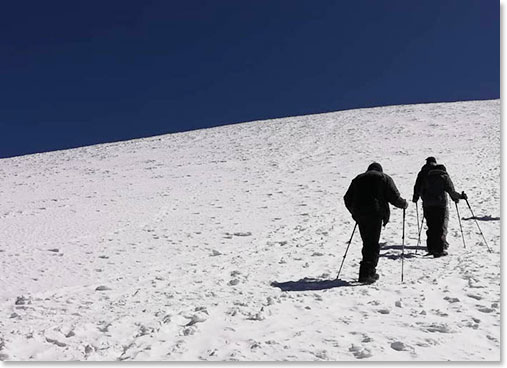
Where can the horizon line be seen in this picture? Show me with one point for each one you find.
(218, 125)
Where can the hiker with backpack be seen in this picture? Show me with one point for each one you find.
(367, 199)
(432, 186)
(430, 164)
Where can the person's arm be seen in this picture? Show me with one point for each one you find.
(348, 198)
(449, 188)
(417, 187)
(393, 195)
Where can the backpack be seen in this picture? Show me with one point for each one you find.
(369, 194)
(433, 189)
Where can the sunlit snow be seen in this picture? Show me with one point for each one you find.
(167, 248)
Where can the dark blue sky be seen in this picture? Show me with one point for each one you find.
(75, 73)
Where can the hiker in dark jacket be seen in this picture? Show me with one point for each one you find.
(433, 192)
(430, 164)
(367, 199)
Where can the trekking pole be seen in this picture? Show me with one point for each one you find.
(418, 231)
(403, 246)
(346, 250)
(489, 249)
(459, 219)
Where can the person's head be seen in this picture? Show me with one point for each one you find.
(375, 166)
(431, 160)
(440, 167)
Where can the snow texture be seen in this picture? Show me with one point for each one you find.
(224, 244)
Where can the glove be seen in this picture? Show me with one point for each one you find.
(464, 196)
(415, 198)
(406, 205)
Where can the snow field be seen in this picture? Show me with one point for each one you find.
(166, 248)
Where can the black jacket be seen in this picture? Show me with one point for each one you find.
(420, 178)
(434, 188)
(369, 195)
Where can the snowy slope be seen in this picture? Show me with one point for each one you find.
(165, 248)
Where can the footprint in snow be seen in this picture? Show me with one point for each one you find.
(247, 233)
(259, 316)
(366, 339)
(102, 288)
(318, 297)
(360, 352)
(188, 331)
(473, 296)
(436, 327)
(56, 342)
(430, 342)
(270, 300)
(451, 300)
(196, 318)
(321, 354)
(485, 310)
(400, 346)
(492, 338)
(22, 300)
(439, 313)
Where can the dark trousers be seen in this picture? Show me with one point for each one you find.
(370, 228)
(437, 219)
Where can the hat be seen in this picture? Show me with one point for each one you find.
(375, 166)
(431, 159)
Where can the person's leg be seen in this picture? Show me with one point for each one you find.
(370, 229)
(440, 230)
(429, 230)
(433, 234)
(445, 225)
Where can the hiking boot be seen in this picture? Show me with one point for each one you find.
(367, 272)
(369, 279)
(440, 254)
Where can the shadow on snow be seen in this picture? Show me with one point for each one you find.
(319, 284)
(482, 218)
(311, 284)
(399, 247)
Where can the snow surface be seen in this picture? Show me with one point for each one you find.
(166, 248)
